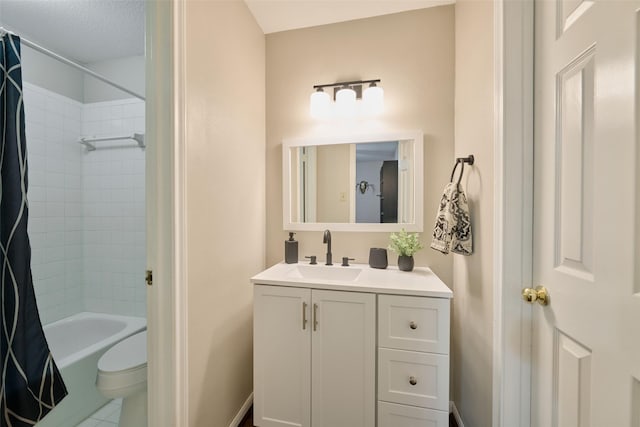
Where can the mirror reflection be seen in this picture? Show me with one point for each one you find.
(376, 189)
(369, 182)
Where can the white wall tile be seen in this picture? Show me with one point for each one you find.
(85, 228)
(109, 206)
(48, 117)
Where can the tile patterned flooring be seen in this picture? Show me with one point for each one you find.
(107, 416)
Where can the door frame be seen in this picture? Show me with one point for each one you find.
(513, 207)
(513, 211)
(167, 304)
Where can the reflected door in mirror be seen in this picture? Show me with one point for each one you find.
(389, 191)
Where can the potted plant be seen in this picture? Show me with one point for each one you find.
(405, 245)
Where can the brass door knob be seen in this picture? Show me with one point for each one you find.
(538, 294)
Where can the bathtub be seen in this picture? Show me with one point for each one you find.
(77, 342)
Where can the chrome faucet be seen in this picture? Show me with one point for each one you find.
(327, 239)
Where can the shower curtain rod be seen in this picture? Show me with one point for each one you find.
(73, 64)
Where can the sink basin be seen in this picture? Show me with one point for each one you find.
(355, 278)
(325, 272)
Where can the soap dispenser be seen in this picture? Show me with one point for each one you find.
(291, 250)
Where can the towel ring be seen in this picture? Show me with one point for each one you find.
(461, 160)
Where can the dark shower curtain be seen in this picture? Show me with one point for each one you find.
(31, 383)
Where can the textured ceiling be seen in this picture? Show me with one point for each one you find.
(82, 30)
(282, 15)
(96, 30)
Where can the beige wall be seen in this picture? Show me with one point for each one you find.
(471, 351)
(44, 71)
(413, 54)
(333, 168)
(127, 72)
(41, 70)
(225, 142)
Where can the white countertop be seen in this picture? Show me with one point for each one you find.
(419, 282)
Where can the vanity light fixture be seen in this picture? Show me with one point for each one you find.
(346, 101)
(345, 95)
(320, 104)
(373, 99)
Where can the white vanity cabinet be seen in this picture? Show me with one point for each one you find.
(281, 357)
(350, 347)
(314, 357)
(413, 361)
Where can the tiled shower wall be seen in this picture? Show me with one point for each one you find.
(114, 214)
(52, 126)
(86, 221)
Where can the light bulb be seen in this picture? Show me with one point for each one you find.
(319, 104)
(373, 99)
(346, 102)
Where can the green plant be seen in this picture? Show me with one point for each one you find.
(404, 243)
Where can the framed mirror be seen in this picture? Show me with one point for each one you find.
(370, 182)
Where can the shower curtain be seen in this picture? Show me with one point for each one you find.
(31, 383)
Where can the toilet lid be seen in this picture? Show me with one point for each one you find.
(129, 353)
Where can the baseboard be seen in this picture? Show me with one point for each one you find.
(247, 404)
(243, 411)
(456, 414)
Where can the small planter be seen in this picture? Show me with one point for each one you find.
(405, 263)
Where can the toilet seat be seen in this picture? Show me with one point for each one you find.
(122, 370)
(129, 353)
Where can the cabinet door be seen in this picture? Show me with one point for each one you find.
(344, 355)
(282, 356)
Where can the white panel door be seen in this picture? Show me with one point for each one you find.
(344, 359)
(586, 341)
(282, 356)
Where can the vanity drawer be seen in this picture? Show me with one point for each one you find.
(412, 378)
(394, 415)
(413, 323)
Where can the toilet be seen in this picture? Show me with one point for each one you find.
(122, 373)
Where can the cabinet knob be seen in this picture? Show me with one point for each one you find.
(413, 380)
(413, 325)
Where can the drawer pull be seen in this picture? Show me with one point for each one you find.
(413, 325)
(304, 315)
(315, 317)
(413, 380)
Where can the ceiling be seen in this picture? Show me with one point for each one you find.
(282, 15)
(376, 151)
(97, 30)
(81, 30)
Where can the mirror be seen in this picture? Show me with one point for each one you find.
(353, 183)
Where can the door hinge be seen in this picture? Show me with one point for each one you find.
(149, 277)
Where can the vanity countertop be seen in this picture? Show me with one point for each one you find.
(356, 278)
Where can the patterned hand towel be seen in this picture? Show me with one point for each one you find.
(452, 231)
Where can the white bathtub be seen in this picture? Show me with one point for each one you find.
(77, 342)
